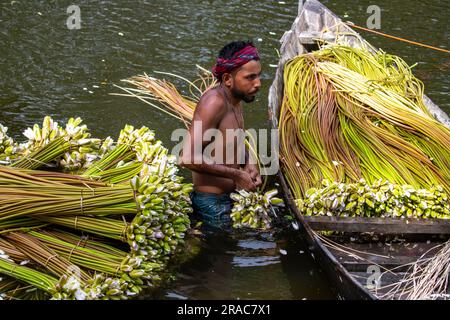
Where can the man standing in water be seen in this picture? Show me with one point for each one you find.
(219, 110)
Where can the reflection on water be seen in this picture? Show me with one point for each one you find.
(249, 265)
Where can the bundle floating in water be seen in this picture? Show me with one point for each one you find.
(7, 145)
(71, 147)
(128, 196)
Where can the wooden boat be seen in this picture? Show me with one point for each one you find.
(350, 261)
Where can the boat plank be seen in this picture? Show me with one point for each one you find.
(379, 225)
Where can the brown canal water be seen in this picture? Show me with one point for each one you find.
(47, 69)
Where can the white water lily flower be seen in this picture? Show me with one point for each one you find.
(335, 204)
(138, 261)
(54, 125)
(80, 294)
(140, 157)
(29, 133)
(172, 171)
(159, 235)
(72, 284)
(5, 257)
(94, 293)
(244, 193)
(91, 157)
(82, 142)
(71, 130)
(115, 284)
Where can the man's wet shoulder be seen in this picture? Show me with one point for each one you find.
(213, 93)
(212, 99)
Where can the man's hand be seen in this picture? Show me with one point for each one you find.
(253, 170)
(243, 180)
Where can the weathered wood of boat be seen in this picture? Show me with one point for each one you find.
(389, 244)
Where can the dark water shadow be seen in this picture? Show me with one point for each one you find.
(273, 265)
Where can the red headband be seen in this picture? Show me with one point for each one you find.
(240, 58)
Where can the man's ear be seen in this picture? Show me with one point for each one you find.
(227, 80)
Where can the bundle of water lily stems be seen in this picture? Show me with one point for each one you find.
(357, 139)
(104, 230)
(251, 209)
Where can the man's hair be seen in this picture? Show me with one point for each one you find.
(230, 49)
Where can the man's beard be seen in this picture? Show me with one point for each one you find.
(242, 96)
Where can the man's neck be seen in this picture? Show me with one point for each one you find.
(235, 102)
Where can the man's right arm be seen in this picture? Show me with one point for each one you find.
(207, 115)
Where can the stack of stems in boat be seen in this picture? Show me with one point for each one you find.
(349, 114)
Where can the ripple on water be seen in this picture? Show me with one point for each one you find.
(256, 244)
(259, 261)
